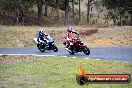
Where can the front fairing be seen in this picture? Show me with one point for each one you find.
(50, 39)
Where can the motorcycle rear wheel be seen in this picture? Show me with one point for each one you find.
(71, 53)
(40, 48)
(71, 50)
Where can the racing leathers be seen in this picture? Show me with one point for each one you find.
(44, 37)
(69, 38)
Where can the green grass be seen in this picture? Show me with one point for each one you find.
(57, 72)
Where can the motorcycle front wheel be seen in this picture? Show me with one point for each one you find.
(86, 50)
(55, 49)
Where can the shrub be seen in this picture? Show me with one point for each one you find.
(89, 32)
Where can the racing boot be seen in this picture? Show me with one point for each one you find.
(68, 48)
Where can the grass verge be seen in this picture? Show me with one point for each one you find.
(22, 36)
(55, 72)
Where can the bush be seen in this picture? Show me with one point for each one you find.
(89, 32)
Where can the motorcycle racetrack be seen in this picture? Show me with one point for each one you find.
(123, 54)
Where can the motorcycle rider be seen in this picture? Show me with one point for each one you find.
(43, 37)
(69, 37)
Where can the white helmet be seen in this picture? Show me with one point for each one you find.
(69, 28)
(41, 31)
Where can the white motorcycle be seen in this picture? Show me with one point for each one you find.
(46, 44)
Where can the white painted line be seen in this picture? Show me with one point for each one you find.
(45, 55)
(73, 57)
(27, 55)
(97, 59)
(116, 61)
(64, 56)
(17, 54)
(87, 58)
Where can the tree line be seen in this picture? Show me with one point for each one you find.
(119, 11)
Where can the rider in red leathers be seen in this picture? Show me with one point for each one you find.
(69, 38)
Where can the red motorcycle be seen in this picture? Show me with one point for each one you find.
(76, 45)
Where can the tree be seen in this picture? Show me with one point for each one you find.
(79, 11)
(39, 6)
(57, 6)
(66, 12)
(112, 15)
(46, 7)
(128, 8)
(73, 10)
(17, 6)
(98, 6)
(88, 9)
(120, 6)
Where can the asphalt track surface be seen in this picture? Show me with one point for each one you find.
(123, 54)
